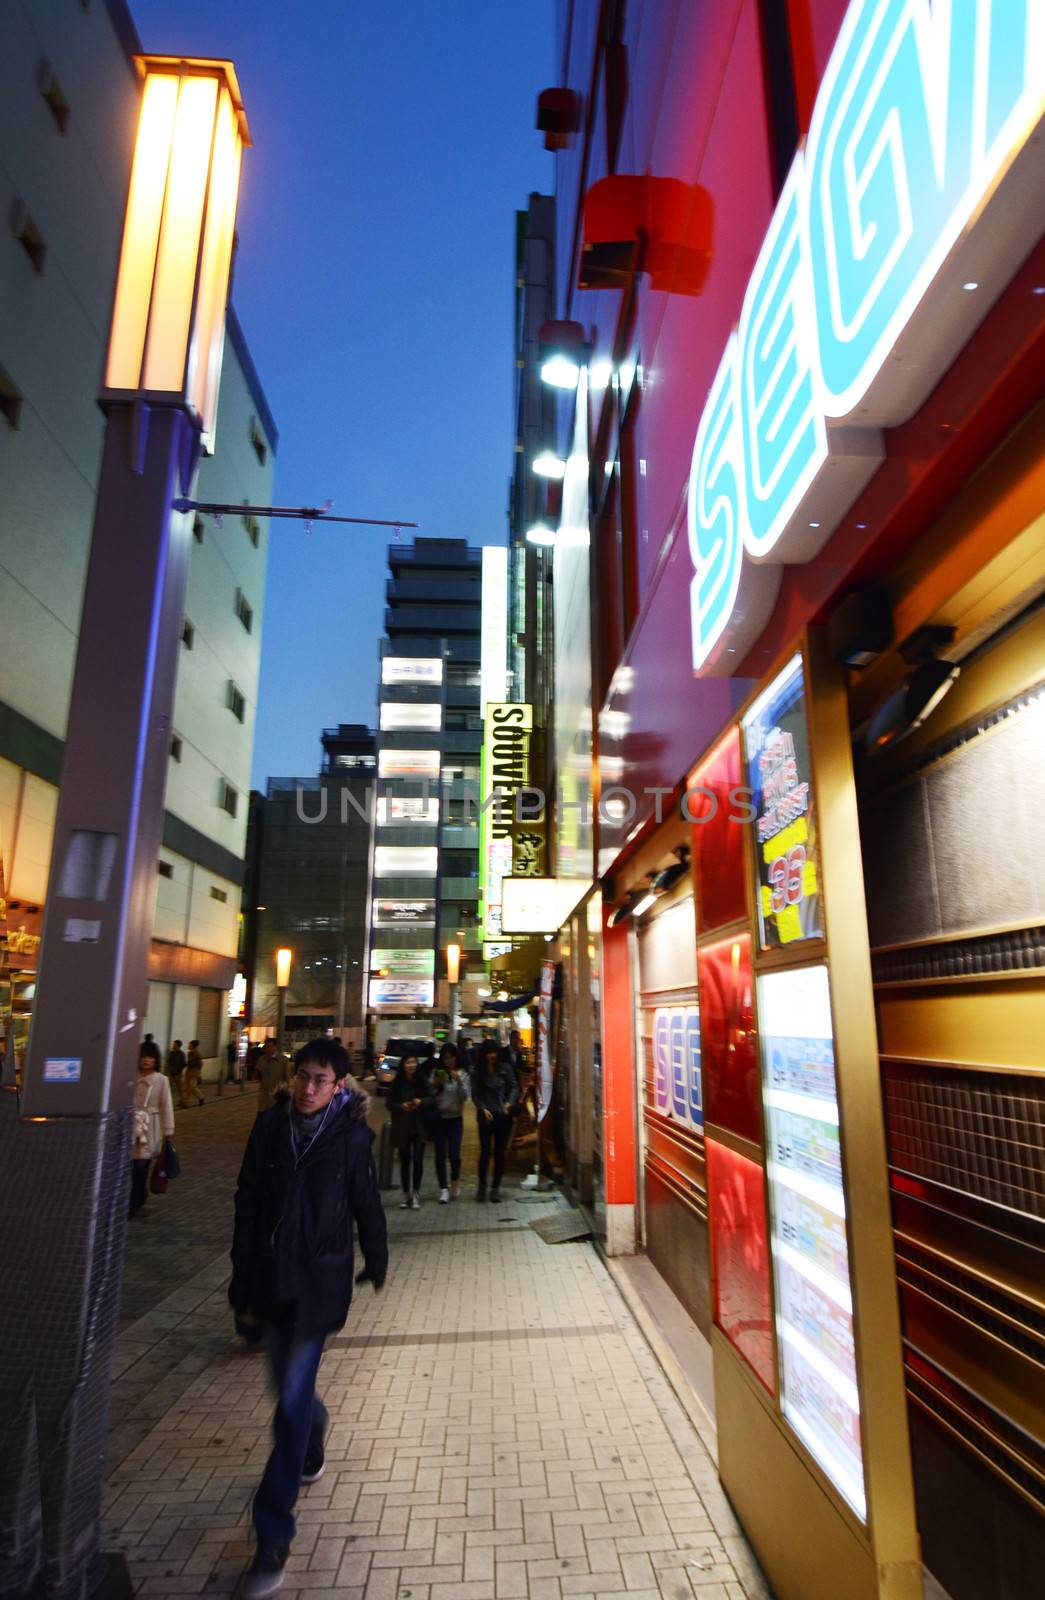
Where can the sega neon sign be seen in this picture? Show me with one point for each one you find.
(676, 1065)
(921, 132)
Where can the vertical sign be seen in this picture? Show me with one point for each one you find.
(504, 771)
(493, 635)
(776, 743)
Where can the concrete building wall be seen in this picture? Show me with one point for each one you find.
(63, 183)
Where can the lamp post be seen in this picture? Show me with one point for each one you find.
(453, 974)
(284, 961)
(63, 1177)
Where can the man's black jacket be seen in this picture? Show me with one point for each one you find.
(292, 1243)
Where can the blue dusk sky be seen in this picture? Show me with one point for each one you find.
(393, 144)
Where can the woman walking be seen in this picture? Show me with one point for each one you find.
(409, 1094)
(190, 1078)
(451, 1086)
(495, 1092)
(153, 1122)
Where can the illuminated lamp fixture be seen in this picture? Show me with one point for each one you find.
(670, 876)
(168, 320)
(635, 223)
(645, 900)
(562, 351)
(920, 693)
(549, 465)
(558, 116)
(540, 533)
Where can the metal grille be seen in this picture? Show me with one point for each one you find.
(1022, 950)
(980, 1133)
(1011, 1454)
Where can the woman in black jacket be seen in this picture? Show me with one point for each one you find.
(410, 1099)
(495, 1091)
(307, 1177)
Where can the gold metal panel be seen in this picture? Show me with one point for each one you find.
(1000, 1025)
(879, 1359)
(809, 1545)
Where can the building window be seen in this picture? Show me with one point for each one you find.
(244, 611)
(188, 634)
(197, 529)
(51, 90)
(228, 799)
(235, 701)
(165, 869)
(29, 237)
(218, 894)
(257, 439)
(175, 747)
(10, 401)
(253, 527)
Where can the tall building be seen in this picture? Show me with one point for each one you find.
(426, 865)
(309, 876)
(69, 101)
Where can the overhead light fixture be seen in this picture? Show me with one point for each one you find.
(561, 350)
(540, 534)
(914, 702)
(599, 375)
(549, 465)
(644, 904)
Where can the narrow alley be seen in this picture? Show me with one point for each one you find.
(499, 1426)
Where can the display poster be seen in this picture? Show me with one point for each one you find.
(776, 744)
(814, 1303)
(412, 669)
(677, 1091)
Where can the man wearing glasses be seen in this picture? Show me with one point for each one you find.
(307, 1176)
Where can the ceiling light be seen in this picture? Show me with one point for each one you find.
(561, 351)
(970, 286)
(540, 534)
(644, 904)
(560, 372)
(599, 375)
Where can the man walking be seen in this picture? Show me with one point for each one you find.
(174, 1065)
(272, 1073)
(307, 1178)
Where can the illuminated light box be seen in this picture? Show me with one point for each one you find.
(401, 992)
(718, 836)
(405, 861)
(740, 1251)
(780, 774)
(412, 669)
(727, 1013)
(814, 1300)
(537, 905)
(408, 764)
(395, 716)
(395, 808)
(400, 963)
(403, 913)
(493, 667)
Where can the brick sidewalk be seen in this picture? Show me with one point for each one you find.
(499, 1426)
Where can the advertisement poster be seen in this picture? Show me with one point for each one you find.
(814, 1303)
(776, 744)
(401, 992)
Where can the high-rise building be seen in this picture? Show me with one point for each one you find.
(308, 880)
(425, 874)
(69, 98)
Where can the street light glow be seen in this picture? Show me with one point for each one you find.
(540, 534)
(284, 958)
(549, 465)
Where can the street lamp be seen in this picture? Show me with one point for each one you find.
(453, 974)
(284, 960)
(63, 1180)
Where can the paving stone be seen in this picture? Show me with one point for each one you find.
(499, 1428)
